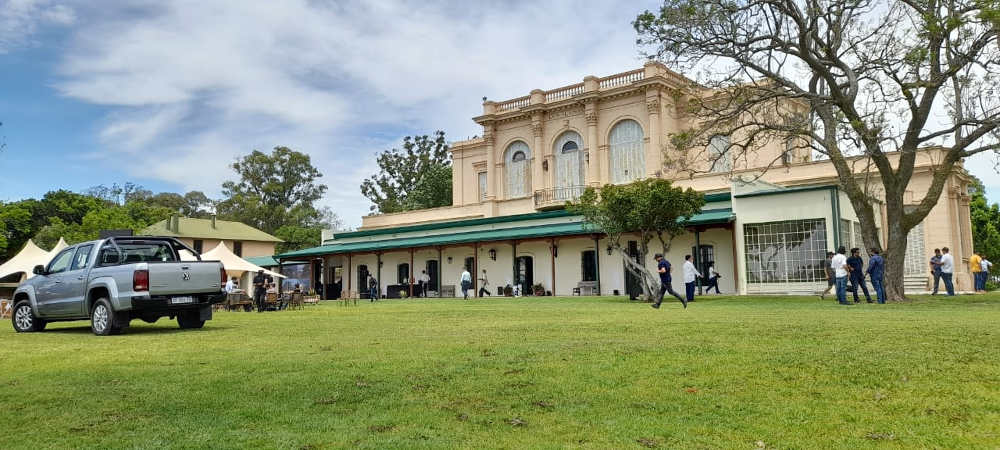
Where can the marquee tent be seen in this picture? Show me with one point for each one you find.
(29, 257)
(235, 266)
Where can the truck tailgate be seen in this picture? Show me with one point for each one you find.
(187, 277)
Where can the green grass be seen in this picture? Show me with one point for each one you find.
(732, 372)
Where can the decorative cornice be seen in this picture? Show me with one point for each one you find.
(591, 117)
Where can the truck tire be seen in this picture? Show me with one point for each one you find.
(103, 319)
(189, 320)
(24, 319)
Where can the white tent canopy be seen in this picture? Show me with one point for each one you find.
(29, 257)
(58, 248)
(234, 264)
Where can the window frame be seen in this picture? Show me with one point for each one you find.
(71, 251)
(76, 257)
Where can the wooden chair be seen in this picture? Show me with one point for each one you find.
(296, 301)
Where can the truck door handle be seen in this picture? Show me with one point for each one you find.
(81, 277)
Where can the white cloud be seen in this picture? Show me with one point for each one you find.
(21, 19)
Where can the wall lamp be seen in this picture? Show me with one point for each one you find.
(493, 254)
(609, 249)
(449, 260)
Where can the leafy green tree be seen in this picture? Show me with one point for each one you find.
(650, 208)
(870, 78)
(416, 177)
(275, 190)
(985, 223)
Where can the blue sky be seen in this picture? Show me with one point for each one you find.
(167, 93)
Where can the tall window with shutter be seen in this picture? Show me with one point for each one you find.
(569, 165)
(628, 160)
(517, 158)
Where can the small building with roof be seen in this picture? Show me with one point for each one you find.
(203, 235)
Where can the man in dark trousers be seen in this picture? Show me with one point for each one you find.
(830, 276)
(858, 274)
(876, 270)
(259, 290)
(663, 267)
(936, 269)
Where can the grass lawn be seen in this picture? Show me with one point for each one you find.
(732, 372)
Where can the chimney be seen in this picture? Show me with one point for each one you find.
(174, 224)
(213, 221)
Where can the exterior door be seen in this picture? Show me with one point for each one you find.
(363, 281)
(432, 272)
(74, 285)
(633, 286)
(706, 257)
(525, 274)
(50, 291)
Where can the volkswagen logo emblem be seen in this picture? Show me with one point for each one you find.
(186, 276)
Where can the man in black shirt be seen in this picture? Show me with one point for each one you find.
(259, 290)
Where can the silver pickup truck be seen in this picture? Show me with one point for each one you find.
(113, 281)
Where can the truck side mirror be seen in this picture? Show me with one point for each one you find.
(39, 270)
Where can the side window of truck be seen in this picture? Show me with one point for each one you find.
(61, 261)
(108, 256)
(82, 257)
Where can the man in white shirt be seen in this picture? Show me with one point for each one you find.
(713, 278)
(839, 265)
(948, 270)
(425, 280)
(466, 282)
(690, 275)
(230, 285)
(986, 265)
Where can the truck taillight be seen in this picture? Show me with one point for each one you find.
(140, 280)
(222, 275)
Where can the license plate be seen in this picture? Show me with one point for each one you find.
(181, 300)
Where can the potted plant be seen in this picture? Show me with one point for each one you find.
(538, 289)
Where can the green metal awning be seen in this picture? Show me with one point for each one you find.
(714, 216)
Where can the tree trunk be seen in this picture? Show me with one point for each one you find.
(895, 256)
(649, 281)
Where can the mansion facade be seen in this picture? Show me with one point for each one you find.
(539, 151)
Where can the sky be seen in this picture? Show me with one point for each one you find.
(168, 93)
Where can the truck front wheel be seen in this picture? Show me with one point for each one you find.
(190, 319)
(103, 319)
(24, 319)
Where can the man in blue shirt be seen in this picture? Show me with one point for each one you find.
(876, 269)
(936, 269)
(858, 274)
(663, 267)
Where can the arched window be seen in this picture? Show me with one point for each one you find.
(569, 166)
(718, 154)
(628, 160)
(516, 157)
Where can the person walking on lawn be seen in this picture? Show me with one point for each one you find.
(858, 275)
(425, 281)
(663, 267)
(372, 288)
(975, 266)
(876, 270)
(948, 270)
(259, 290)
(936, 269)
(839, 265)
(713, 279)
(691, 274)
(830, 276)
(484, 285)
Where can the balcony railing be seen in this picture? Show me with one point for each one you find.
(557, 197)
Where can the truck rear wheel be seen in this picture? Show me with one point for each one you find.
(190, 320)
(103, 319)
(24, 319)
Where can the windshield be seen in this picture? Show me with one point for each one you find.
(133, 252)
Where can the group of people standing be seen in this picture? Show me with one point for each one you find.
(943, 269)
(841, 269)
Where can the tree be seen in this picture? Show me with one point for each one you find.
(651, 208)
(416, 177)
(842, 77)
(273, 191)
(985, 223)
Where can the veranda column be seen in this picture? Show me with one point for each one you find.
(349, 276)
(595, 162)
(597, 262)
(552, 250)
(440, 268)
(539, 154)
(513, 253)
(410, 280)
(653, 150)
(475, 268)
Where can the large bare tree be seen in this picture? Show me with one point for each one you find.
(865, 83)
